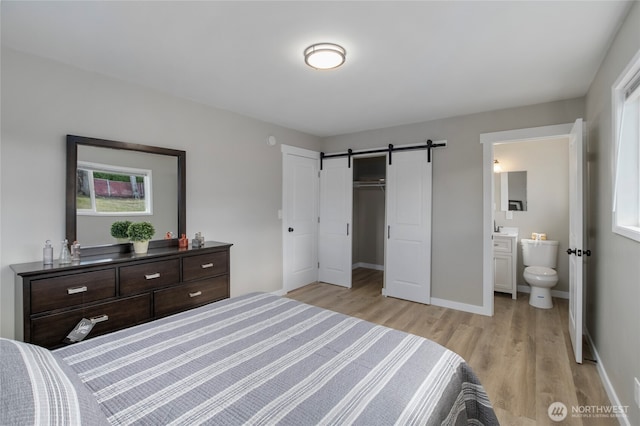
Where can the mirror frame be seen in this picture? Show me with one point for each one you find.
(72, 160)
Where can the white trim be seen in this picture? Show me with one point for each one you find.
(632, 232)
(367, 266)
(288, 149)
(487, 230)
(488, 140)
(554, 293)
(281, 292)
(617, 102)
(604, 377)
(465, 307)
(526, 135)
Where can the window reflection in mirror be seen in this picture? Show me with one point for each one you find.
(104, 189)
(160, 199)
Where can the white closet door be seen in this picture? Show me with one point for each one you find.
(336, 204)
(408, 254)
(576, 239)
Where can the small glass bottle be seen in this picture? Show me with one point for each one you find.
(65, 256)
(47, 253)
(75, 251)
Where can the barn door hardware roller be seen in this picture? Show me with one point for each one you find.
(429, 145)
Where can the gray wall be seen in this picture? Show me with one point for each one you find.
(613, 271)
(368, 226)
(547, 166)
(456, 242)
(234, 179)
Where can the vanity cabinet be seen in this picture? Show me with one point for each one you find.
(116, 291)
(505, 259)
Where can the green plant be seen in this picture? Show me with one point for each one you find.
(119, 229)
(140, 231)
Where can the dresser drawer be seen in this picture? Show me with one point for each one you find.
(71, 290)
(502, 244)
(190, 295)
(148, 276)
(204, 265)
(49, 331)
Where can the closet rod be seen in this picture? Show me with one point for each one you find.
(429, 144)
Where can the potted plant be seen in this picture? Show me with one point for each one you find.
(140, 233)
(119, 230)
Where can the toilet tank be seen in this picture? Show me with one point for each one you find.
(539, 253)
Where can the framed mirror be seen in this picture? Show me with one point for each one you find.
(513, 191)
(109, 181)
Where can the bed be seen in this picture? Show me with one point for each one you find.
(256, 359)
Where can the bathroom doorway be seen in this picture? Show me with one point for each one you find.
(577, 195)
(531, 195)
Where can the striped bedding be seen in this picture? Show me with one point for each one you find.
(261, 359)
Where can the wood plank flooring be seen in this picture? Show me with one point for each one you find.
(522, 355)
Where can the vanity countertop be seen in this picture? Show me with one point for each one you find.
(506, 231)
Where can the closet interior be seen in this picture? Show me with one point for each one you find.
(369, 175)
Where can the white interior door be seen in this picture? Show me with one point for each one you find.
(336, 204)
(408, 250)
(300, 219)
(576, 237)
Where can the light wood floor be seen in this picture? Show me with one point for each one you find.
(522, 355)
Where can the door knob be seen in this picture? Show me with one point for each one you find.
(290, 229)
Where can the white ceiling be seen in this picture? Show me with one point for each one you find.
(406, 61)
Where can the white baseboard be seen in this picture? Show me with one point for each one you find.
(367, 266)
(474, 309)
(604, 377)
(554, 293)
(280, 292)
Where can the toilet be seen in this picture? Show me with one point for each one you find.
(540, 258)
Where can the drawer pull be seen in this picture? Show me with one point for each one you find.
(152, 276)
(74, 290)
(207, 265)
(197, 293)
(99, 318)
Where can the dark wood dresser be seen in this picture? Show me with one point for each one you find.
(118, 290)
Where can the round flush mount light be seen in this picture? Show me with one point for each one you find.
(324, 56)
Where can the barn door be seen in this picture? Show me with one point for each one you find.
(336, 203)
(408, 251)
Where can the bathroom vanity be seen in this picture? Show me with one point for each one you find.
(505, 261)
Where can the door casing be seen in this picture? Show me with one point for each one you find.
(488, 140)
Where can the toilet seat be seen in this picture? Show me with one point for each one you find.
(541, 270)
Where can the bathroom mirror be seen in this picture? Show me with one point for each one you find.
(159, 192)
(513, 191)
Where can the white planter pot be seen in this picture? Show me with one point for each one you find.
(140, 247)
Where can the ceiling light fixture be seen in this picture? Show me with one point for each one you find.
(324, 56)
(497, 168)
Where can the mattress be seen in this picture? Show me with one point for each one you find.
(261, 359)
